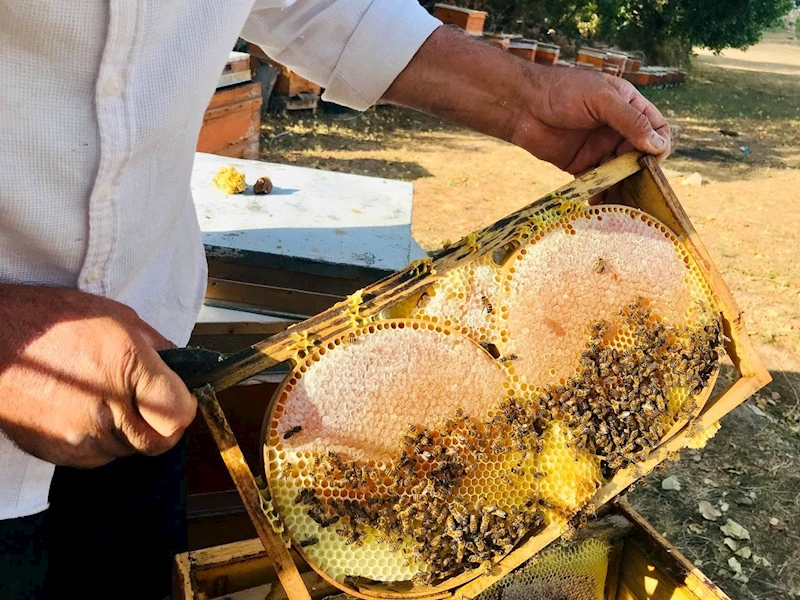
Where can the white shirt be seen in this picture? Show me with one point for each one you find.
(100, 110)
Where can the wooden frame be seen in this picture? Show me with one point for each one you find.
(639, 554)
(641, 184)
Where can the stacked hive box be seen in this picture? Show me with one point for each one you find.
(232, 121)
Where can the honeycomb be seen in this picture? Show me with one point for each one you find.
(463, 298)
(427, 444)
(573, 572)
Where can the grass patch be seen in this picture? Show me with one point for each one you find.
(760, 107)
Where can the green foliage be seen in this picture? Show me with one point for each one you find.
(666, 30)
(566, 17)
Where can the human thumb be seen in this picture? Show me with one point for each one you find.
(635, 127)
(162, 398)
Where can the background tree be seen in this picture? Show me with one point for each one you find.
(666, 30)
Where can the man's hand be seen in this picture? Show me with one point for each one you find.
(81, 382)
(572, 118)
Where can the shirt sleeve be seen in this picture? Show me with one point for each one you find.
(353, 48)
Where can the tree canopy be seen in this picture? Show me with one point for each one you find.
(666, 30)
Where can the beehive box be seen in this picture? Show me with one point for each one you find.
(500, 40)
(469, 20)
(547, 54)
(525, 50)
(236, 70)
(619, 557)
(232, 122)
(544, 364)
(289, 83)
(591, 56)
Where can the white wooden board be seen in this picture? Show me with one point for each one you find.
(333, 218)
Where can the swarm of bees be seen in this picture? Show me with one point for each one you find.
(424, 506)
(617, 403)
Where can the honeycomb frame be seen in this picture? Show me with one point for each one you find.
(641, 185)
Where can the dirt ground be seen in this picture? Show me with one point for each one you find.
(738, 121)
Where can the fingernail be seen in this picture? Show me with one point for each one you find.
(657, 140)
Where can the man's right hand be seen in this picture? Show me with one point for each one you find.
(81, 382)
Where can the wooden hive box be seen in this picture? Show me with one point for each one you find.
(641, 565)
(289, 83)
(617, 59)
(633, 180)
(500, 40)
(547, 54)
(232, 122)
(591, 56)
(469, 20)
(525, 50)
(236, 70)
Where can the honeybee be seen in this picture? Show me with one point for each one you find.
(423, 300)
(315, 512)
(460, 549)
(293, 431)
(508, 358)
(352, 337)
(487, 305)
(459, 513)
(309, 541)
(354, 537)
(306, 496)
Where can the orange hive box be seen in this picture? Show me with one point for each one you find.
(592, 57)
(547, 54)
(526, 50)
(467, 19)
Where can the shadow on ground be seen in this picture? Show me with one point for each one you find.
(759, 108)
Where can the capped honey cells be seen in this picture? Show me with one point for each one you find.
(429, 443)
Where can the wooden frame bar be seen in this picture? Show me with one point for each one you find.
(642, 185)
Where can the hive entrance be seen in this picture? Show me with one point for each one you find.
(428, 443)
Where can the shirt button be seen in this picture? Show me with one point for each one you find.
(114, 85)
(94, 275)
(104, 194)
